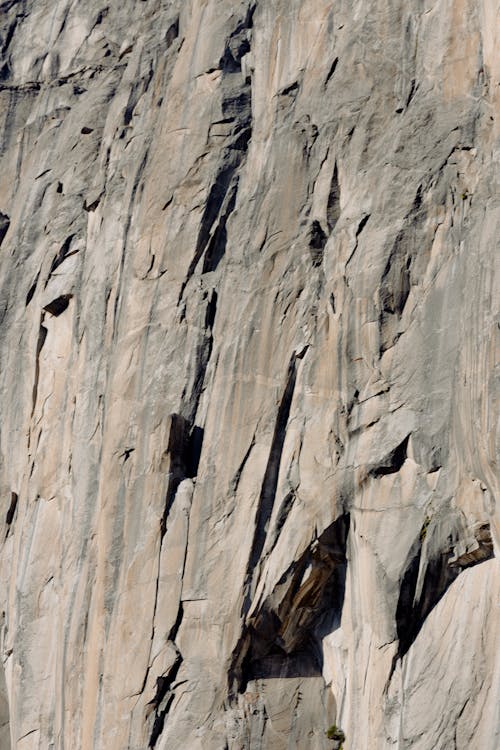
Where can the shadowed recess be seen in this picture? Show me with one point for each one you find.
(284, 637)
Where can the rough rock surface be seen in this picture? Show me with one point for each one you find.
(249, 374)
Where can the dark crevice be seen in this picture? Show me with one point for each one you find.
(101, 16)
(32, 290)
(42, 336)
(411, 94)
(233, 485)
(12, 508)
(203, 354)
(283, 638)
(399, 272)
(396, 283)
(90, 207)
(159, 723)
(426, 581)
(184, 451)
(236, 108)
(165, 681)
(64, 252)
(4, 226)
(270, 481)
(178, 622)
(291, 90)
(137, 89)
(282, 514)
(57, 306)
(333, 206)
(8, 36)
(393, 462)
(164, 696)
(193, 453)
(213, 206)
(211, 311)
(216, 248)
(238, 43)
(332, 70)
(317, 242)
(362, 225)
(172, 33)
(359, 229)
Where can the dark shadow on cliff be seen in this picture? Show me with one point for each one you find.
(284, 637)
(427, 579)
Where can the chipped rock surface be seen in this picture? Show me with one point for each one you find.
(249, 374)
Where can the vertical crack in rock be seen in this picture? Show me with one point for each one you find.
(184, 450)
(399, 273)
(270, 481)
(333, 68)
(32, 290)
(4, 226)
(64, 252)
(11, 511)
(163, 699)
(333, 206)
(236, 108)
(42, 336)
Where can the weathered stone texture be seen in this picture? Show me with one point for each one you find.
(249, 374)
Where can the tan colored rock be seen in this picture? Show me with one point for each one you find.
(249, 346)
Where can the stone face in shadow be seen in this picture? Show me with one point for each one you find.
(284, 637)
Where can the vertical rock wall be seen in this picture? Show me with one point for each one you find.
(249, 379)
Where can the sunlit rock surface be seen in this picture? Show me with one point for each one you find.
(249, 374)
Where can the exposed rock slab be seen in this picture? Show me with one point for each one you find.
(249, 380)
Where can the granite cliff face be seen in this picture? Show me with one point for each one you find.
(249, 374)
